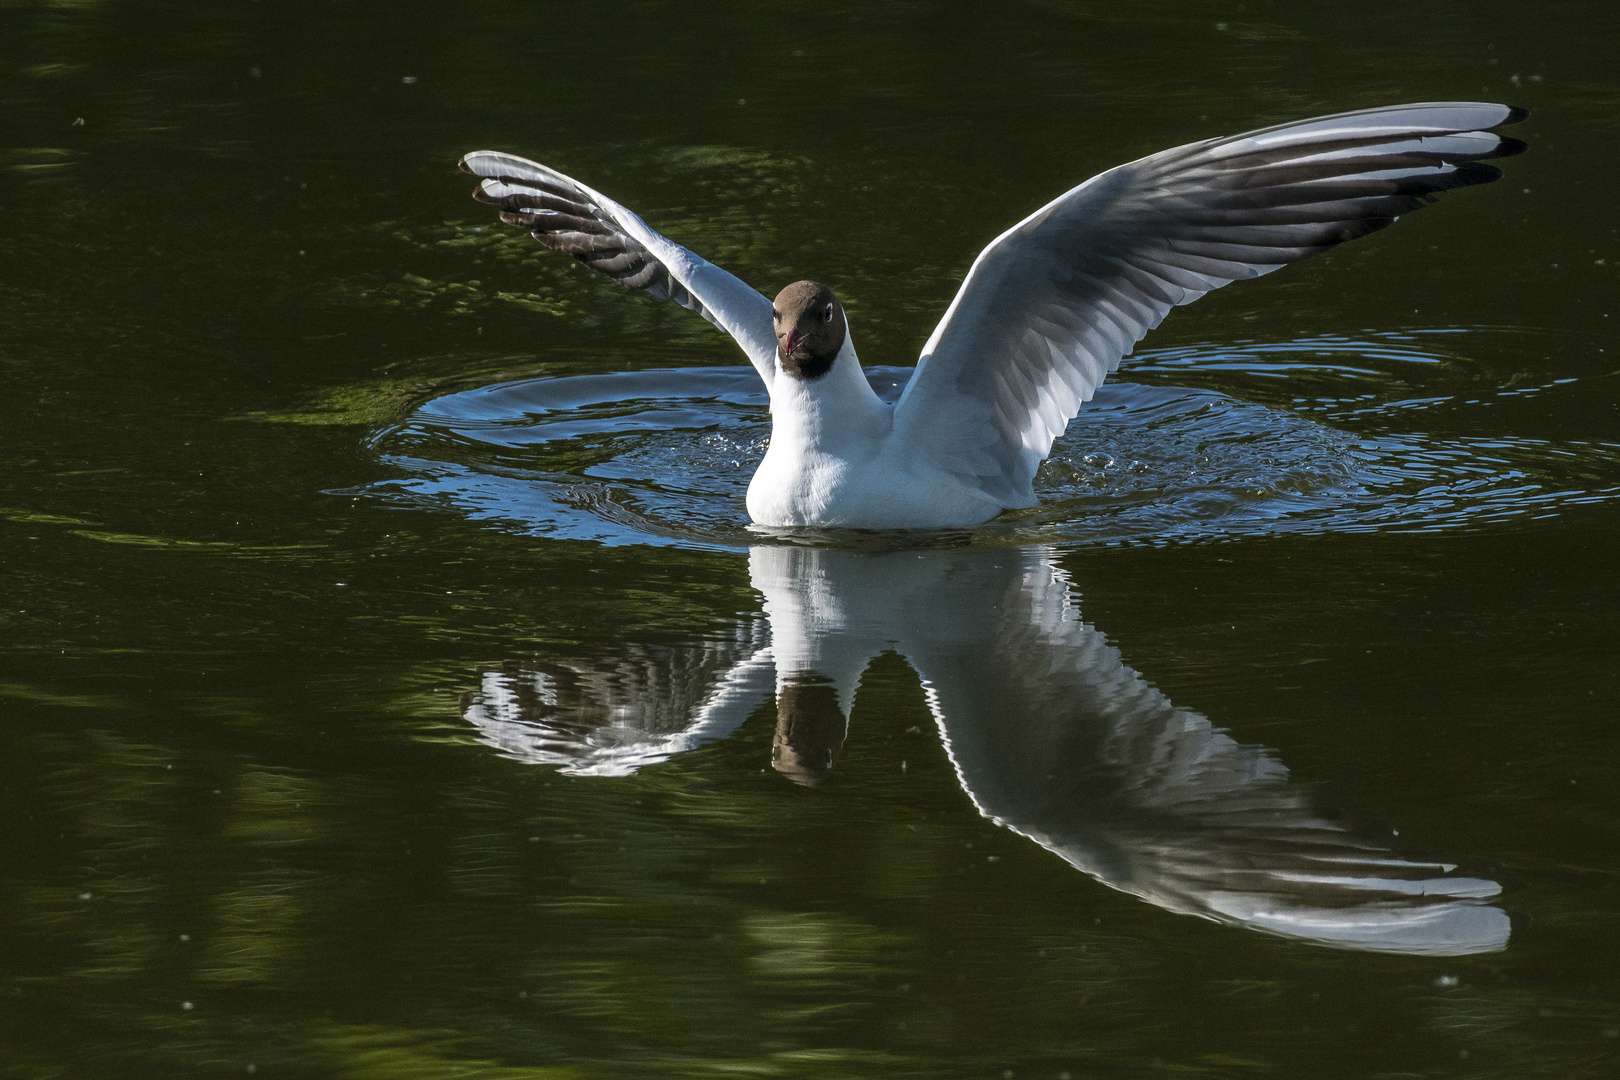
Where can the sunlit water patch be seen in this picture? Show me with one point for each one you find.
(665, 456)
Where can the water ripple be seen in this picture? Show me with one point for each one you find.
(1363, 442)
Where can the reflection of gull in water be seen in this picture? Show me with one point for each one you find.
(1051, 735)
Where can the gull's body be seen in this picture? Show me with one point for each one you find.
(834, 460)
(1048, 309)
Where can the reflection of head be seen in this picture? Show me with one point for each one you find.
(810, 729)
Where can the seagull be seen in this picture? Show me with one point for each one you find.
(1047, 310)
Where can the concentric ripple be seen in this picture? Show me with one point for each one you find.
(1167, 452)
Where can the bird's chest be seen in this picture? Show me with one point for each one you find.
(801, 484)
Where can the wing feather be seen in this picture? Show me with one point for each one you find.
(1054, 303)
(567, 216)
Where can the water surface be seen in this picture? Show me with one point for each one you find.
(390, 685)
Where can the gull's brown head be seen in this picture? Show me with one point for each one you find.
(809, 329)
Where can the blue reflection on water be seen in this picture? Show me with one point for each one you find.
(664, 456)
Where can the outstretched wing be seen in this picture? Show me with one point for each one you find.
(567, 216)
(1050, 307)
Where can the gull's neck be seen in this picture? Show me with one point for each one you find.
(835, 412)
(825, 434)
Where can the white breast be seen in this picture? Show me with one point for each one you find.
(833, 461)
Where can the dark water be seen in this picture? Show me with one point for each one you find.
(390, 685)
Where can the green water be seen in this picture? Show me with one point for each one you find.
(308, 501)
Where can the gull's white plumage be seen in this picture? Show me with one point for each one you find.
(1047, 310)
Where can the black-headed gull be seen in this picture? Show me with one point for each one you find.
(1046, 312)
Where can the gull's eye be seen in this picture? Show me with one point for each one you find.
(826, 316)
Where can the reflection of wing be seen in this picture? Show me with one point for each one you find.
(609, 716)
(1055, 738)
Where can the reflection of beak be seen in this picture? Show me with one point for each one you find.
(810, 730)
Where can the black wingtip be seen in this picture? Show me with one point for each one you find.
(1515, 114)
(1510, 147)
(464, 167)
(1470, 173)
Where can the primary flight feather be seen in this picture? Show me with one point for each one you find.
(1047, 310)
